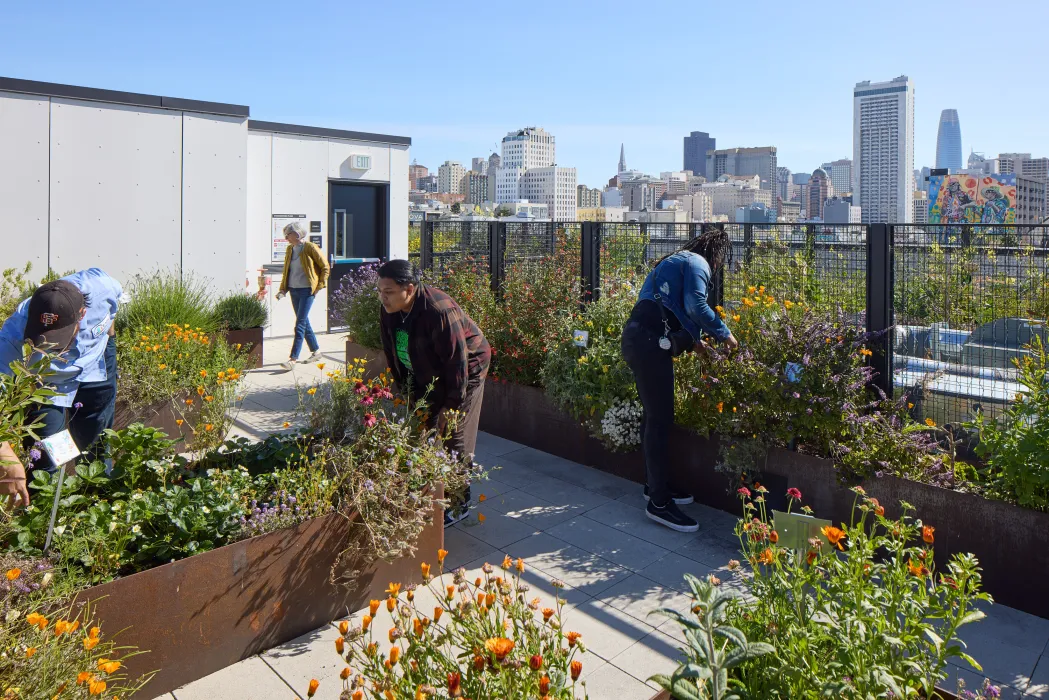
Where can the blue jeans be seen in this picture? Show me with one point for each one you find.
(87, 421)
(301, 301)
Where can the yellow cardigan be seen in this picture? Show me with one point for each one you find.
(313, 263)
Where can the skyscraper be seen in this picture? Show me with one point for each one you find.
(449, 177)
(840, 172)
(949, 141)
(820, 190)
(759, 161)
(622, 158)
(696, 146)
(883, 150)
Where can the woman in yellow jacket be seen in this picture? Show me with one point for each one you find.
(305, 272)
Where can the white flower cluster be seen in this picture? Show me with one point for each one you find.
(621, 425)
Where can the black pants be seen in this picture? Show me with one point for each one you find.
(653, 370)
(93, 411)
(463, 439)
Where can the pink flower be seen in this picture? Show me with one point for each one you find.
(361, 388)
(743, 491)
(794, 494)
(370, 420)
(367, 401)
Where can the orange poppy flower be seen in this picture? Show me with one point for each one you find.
(366, 622)
(544, 684)
(450, 590)
(314, 684)
(345, 673)
(927, 531)
(437, 612)
(12, 574)
(833, 535)
(441, 554)
(340, 645)
(577, 668)
(917, 569)
(425, 570)
(96, 687)
(500, 646)
(395, 655)
(394, 589)
(29, 652)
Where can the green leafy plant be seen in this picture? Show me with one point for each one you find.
(714, 647)
(238, 312)
(16, 287)
(1014, 446)
(21, 392)
(855, 611)
(168, 297)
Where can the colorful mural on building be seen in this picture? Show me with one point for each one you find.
(972, 199)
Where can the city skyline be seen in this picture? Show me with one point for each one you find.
(806, 114)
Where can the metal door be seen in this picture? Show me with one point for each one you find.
(357, 233)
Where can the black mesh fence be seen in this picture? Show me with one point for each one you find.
(822, 266)
(967, 300)
(629, 250)
(455, 241)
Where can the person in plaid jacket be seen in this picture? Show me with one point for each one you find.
(436, 352)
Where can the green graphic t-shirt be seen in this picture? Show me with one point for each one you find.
(400, 339)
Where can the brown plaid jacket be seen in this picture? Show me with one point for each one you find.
(445, 346)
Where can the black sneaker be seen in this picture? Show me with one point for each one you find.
(671, 516)
(679, 497)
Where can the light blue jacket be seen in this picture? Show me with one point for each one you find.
(682, 282)
(85, 361)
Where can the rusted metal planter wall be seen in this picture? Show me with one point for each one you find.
(162, 416)
(201, 614)
(250, 340)
(1011, 543)
(376, 359)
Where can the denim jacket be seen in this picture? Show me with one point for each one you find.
(682, 283)
(85, 361)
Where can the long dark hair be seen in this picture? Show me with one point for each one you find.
(712, 243)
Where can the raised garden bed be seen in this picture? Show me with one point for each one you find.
(198, 615)
(1011, 543)
(376, 358)
(250, 340)
(162, 416)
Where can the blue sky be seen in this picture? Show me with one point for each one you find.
(456, 76)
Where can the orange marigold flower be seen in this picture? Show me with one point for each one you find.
(766, 557)
(577, 668)
(12, 574)
(547, 613)
(572, 638)
(500, 646)
(833, 535)
(927, 531)
(478, 663)
(917, 569)
(441, 554)
(312, 690)
(519, 565)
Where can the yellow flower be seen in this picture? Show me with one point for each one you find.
(29, 652)
(287, 424)
(179, 422)
(209, 399)
(788, 304)
(189, 402)
(930, 422)
(12, 574)
(162, 366)
(110, 667)
(200, 391)
(320, 365)
(203, 373)
(312, 391)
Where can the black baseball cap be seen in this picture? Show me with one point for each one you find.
(54, 315)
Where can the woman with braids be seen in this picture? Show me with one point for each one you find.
(671, 313)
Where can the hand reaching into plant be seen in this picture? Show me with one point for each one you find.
(12, 477)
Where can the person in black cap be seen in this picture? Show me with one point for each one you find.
(72, 319)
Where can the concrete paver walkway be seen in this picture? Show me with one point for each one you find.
(588, 529)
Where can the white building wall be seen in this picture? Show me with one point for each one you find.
(259, 200)
(24, 127)
(116, 188)
(398, 155)
(214, 199)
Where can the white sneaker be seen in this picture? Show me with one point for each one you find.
(288, 365)
(315, 357)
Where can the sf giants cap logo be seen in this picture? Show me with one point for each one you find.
(49, 319)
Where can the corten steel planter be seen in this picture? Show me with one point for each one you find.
(1010, 542)
(250, 341)
(376, 358)
(198, 615)
(941, 695)
(162, 416)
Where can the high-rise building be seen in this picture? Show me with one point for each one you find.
(1034, 167)
(588, 198)
(949, 141)
(840, 211)
(696, 146)
(531, 147)
(475, 186)
(820, 190)
(427, 183)
(415, 172)
(759, 161)
(883, 150)
(789, 212)
(449, 176)
(1031, 204)
(732, 192)
(801, 178)
(840, 172)
(783, 183)
(1010, 162)
(553, 186)
(921, 207)
(622, 159)
(479, 165)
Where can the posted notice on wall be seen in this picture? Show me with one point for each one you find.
(279, 244)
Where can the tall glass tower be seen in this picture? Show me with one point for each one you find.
(949, 141)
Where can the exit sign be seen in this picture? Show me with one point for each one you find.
(361, 162)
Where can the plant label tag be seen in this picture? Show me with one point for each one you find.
(793, 372)
(795, 530)
(60, 448)
(580, 338)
